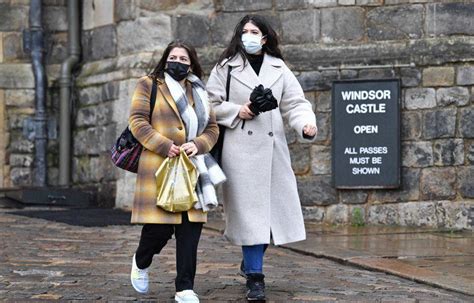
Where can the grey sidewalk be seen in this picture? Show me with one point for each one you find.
(45, 259)
(443, 259)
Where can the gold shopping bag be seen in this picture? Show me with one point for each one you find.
(176, 180)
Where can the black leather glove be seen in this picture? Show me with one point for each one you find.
(262, 100)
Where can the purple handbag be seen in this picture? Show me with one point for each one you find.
(126, 151)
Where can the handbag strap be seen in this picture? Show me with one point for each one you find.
(152, 96)
(227, 85)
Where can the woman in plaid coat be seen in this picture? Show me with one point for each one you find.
(162, 136)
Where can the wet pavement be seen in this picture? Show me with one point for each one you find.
(44, 258)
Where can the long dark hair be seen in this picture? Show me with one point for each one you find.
(235, 47)
(158, 71)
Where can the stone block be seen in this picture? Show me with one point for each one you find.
(411, 125)
(357, 215)
(313, 213)
(125, 189)
(440, 18)
(320, 160)
(410, 77)
(465, 75)
(423, 214)
(300, 158)
(353, 196)
(370, 2)
(348, 74)
(345, 24)
(417, 154)
(422, 51)
(21, 160)
(57, 52)
(375, 73)
(418, 98)
(143, 38)
(193, 29)
(20, 98)
(81, 170)
(55, 18)
(14, 18)
(466, 181)
(438, 183)
(100, 43)
(125, 10)
(469, 151)
(292, 4)
(12, 47)
(97, 13)
(310, 81)
(448, 152)
(21, 76)
(408, 191)
(337, 214)
(323, 101)
(323, 122)
(1, 49)
(466, 122)
(395, 22)
(21, 176)
(453, 215)
(18, 144)
(324, 3)
(439, 123)
(245, 5)
(290, 135)
(384, 214)
(306, 21)
(457, 95)
(316, 190)
(438, 76)
(346, 2)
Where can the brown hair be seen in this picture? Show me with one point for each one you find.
(158, 71)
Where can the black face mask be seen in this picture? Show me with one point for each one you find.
(177, 70)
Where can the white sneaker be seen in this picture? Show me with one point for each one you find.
(186, 296)
(139, 278)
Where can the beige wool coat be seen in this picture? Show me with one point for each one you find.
(156, 136)
(260, 196)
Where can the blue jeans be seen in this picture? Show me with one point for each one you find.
(253, 258)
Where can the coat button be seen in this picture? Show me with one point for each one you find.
(180, 127)
(270, 134)
(250, 132)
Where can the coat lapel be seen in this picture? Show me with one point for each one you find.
(244, 74)
(169, 99)
(270, 71)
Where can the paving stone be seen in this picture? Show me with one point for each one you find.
(73, 273)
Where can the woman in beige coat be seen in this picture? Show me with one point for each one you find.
(162, 135)
(260, 196)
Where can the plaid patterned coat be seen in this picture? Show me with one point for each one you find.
(165, 128)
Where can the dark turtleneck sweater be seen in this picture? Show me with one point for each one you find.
(256, 62)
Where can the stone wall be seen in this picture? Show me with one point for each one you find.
(123, 40)
(17, 88)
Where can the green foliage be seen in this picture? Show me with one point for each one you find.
(358, 218)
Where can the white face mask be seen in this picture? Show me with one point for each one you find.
(252, 43)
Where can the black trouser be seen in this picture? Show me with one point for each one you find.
(155, 236)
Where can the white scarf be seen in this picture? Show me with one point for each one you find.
(195, 121)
